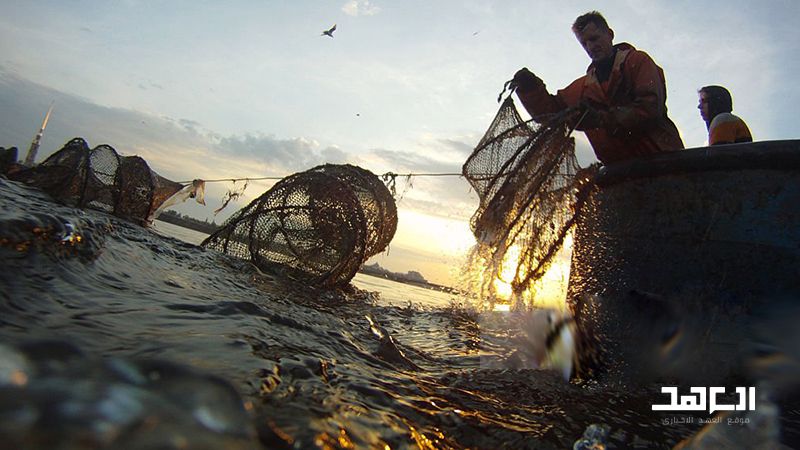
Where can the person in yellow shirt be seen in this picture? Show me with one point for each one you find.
(715, 108)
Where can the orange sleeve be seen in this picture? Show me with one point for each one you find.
(649, 92)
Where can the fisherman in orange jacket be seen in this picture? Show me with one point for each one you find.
(621, 101)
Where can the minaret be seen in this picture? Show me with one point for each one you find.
(37, 139)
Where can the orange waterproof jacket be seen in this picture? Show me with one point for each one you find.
(635, 97)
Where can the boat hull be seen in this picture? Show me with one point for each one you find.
(676, 256)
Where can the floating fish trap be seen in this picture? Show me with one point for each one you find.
(319, 225)
(100, 179)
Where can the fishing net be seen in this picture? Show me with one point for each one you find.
(525, 178)
(100, 179)
(319, 225)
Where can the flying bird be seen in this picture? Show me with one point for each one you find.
(329, 32)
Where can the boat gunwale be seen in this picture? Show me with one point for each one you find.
(783, 155)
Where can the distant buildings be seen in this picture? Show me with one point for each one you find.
(411, 276)
(37, 140)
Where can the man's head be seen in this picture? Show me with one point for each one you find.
(595, 36)
(713, 101)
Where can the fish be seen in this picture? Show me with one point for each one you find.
(549, 341)
(561, 347)
(196, 190)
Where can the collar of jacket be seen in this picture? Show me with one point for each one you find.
(623, 50)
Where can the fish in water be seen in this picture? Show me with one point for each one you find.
(549, 340)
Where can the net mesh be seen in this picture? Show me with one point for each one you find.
(526, 178)
(100, 178)
(319, 225)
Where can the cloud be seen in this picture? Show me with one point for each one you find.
(360, 8)
(183, 149)
(190, 125)
(149, 84)
(461, 148)
(441, 196)
(415, 162)
(402, 161)
(282, 156)
(335, 155)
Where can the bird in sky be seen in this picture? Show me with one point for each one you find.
(329, 32)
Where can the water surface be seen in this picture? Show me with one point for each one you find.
(105, 323)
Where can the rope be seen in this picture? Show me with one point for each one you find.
(233, 179)
(385, 176)
(424, 174)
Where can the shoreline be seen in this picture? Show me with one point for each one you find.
(188, 222)
(196, 225)
(432, 286)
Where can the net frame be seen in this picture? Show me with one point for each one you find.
(318, 226)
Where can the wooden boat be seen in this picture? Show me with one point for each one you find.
(676, 255)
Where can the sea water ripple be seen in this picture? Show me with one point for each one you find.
(105, 325)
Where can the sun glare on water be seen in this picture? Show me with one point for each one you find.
(502, 284)
(548, 292)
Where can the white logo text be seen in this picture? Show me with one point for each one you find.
(703, 398)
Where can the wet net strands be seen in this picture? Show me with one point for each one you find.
(526, 179)
(319, 225)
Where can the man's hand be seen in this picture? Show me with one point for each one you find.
(524, 80)
(590, 117)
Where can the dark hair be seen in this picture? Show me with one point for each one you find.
(719, 99)
(590, 17)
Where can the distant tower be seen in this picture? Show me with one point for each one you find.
(38, 139)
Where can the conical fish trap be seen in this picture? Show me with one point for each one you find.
(380, 212)
(525, 178)
(101, 179)
(319, 225)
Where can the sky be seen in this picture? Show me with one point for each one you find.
(208, 89)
